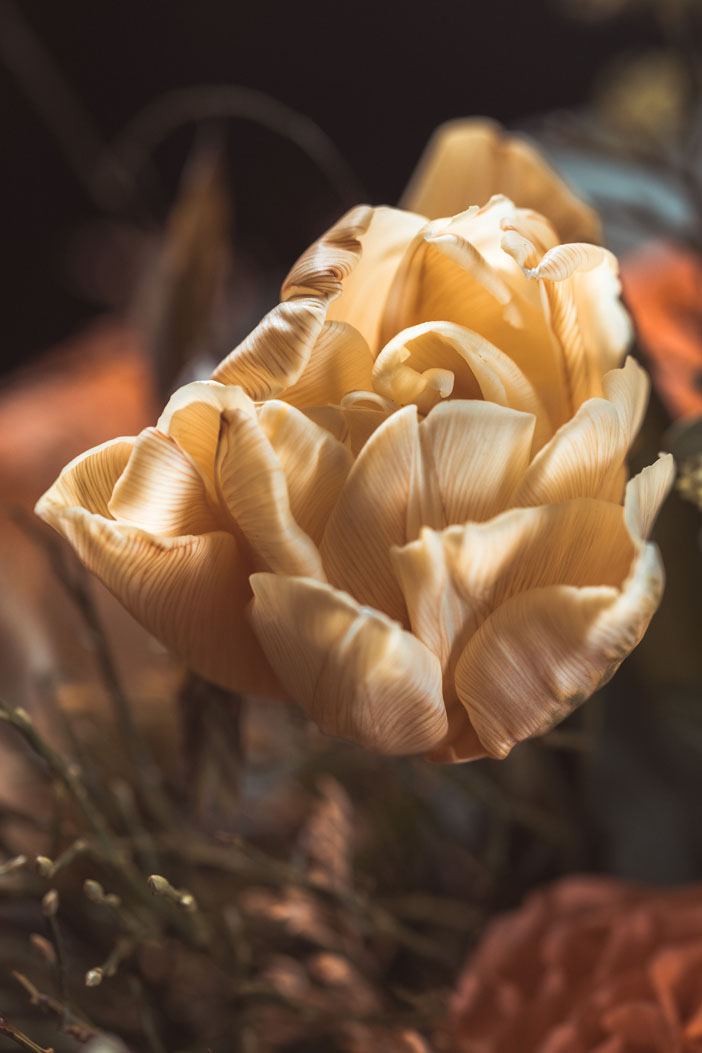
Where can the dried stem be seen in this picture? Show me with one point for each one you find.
(67, 774)
(20, 1039)
(80, 1027)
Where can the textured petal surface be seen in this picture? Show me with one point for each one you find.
(467, 161)
(88, 480)
(586, 455)
(314, 463)
(470, 458)
(192, 418)
(371, 516)
(363, 300)
(253, 488)
(546, 648)
(190, 592)
(543, 652)
(452, 580)
(161, 490)
(580, 289)
(355, 672)
(274, 356)
(340, 362)
(456, 270)
(478, 370)
(411, 474)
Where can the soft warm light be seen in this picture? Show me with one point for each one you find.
(402, 500)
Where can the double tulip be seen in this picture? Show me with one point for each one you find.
(402, 501)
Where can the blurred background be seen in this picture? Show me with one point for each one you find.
(163, 165)
(102, 103)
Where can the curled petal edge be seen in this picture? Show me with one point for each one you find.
(354, 671)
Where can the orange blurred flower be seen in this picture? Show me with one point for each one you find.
(663, 287)
(401, 500)
(588, 965)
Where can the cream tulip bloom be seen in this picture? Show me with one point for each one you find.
(402, 500)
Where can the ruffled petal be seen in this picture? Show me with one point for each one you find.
(586, 455)
(547, 647)
(252, 487)
(461, 463)
(415, 365)
(456, 270)
(355, 672)
(645, 494)
(189, 592)
(543, 652)
(580, 289)
(384, 243)
(340, 362)
(274, 356)
(453, 579)
(314, 463)
(467, 161)
(192, 417)
(87, 481)
(161, 490)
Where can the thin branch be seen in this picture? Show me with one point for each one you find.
(66, 773)
(80, 1028)
(151, 126)
(20, 1039)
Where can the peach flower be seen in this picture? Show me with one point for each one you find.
(589, 965)
(401, 500)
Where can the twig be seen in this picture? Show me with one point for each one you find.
(144, 132)
(13, 864)
(66, 773)
(268, 870)
(121, 950)
(20, 1039)
(49, 868)
(50, 905)
(80, 1028)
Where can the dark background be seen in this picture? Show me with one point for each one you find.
(377, 78)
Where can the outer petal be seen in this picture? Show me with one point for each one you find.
(192, 418)
(274, 356)
(190, 592)
(161, 490)
(341, 361)
(354, 671)
(545, 650)
(363, 300)
(542, 653)
(467, 161)
(452, 580)
(586, 455)
(87, 481)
